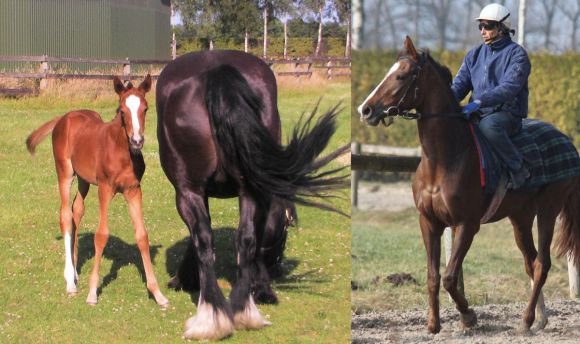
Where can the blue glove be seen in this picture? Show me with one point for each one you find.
(471, 108)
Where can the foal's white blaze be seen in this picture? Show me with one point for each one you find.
(133, 103)
(393, 69)
(69, 270)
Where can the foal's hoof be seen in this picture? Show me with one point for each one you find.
(208, 324)
(92, 299)
(161, 300)
(468, 319)
(250, 318)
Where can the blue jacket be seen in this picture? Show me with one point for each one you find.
(498, 76)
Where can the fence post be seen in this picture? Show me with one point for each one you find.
(127, 69)
(44, 70)
(355, 149)
(448, 235)
(329, 69)
(574, 278)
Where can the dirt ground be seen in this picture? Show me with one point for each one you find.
(496, 323)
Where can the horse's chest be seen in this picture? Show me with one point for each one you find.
(433, 202)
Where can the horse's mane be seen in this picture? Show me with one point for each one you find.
(444, 73)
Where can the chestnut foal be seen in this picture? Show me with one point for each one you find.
(107, 155)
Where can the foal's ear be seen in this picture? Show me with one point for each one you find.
(409, 48)
(146, 84)
(118, 84)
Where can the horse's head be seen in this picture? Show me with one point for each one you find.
(398, 91)
(132, 109)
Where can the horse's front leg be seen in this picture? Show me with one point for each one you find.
(246, 314)
(462, 242)
(133, 196)
(214, 319)
(432, 239)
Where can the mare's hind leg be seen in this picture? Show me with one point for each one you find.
(65, 173)
(78, 210)
(214, 316)
(463, 238)
(106, 194)
(246, 314)
(522, 224)
(134, 199)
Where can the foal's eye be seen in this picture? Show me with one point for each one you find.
(401, 77)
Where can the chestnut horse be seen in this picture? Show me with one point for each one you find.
(447, 190)
(219, 136)
(107, 155)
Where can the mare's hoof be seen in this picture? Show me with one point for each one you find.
(434, 328)
(174, 283)
(208, 324)
(250, 318)
(468, 319)
(524, 329)
(540, 324)
(265, 297)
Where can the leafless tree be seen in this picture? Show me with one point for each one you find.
(549, 9)
(357, 23)
(574, 17)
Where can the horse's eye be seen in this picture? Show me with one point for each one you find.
(401, 77)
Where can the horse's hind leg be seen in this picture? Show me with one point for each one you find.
(106, 194)
(134, 200)
(214, 317)
(65, 173)
(522, 224)
(246, 314)
(78, 210)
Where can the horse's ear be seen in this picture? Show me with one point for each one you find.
(118, 84)
(410, 50)
(146, 84)
(129, 85)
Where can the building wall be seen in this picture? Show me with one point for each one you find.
(137, 29)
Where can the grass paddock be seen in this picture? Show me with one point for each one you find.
(314, 295)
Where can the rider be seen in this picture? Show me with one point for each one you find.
(497, 74)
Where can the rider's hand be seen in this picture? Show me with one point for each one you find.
(471, 108)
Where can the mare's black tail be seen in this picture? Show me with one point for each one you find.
(247, 147)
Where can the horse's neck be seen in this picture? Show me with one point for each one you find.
(116, 131)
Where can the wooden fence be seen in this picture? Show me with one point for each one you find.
(396, 159)
(334, 67)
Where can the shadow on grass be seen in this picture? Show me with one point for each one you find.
(119, 252)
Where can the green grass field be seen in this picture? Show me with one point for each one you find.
(314, 297)
(385, 243)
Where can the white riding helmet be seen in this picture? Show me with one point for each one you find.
(495, 12)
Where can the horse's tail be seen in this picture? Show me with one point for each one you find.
(569, 238)
(248, 148)
(39, 134)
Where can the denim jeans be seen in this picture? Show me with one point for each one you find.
(497, 128)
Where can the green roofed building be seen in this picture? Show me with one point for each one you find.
(100, 29)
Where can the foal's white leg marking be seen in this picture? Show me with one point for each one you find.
(208, 323)
(133, 103)
(541, 315)
(393, 69)
(69, 270)
(250, 318)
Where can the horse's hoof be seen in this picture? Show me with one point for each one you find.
(72, 292)
(265, 297)
(92, 299)
(208, 324)
(250, 318)
(468, 319)
(434, 328)
(524, 329)
(174, 283)
(540, 324)
(161, 300)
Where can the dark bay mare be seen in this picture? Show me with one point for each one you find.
(219, 136)
(447, 190)
(107, 155)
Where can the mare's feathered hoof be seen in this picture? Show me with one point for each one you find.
(468, 319)
(250, 318)
(208, 324)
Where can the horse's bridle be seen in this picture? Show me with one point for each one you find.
(417, 67)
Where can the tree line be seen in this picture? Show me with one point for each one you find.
(251, 20)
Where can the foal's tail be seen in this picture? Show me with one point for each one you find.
(248, 147)
(569, 238)
(39, 134)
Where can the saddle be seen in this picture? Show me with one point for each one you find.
(549, 155)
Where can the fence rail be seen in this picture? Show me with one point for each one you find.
(335, 67)
(395, 159)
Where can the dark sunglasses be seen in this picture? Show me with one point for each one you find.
(487, 26)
